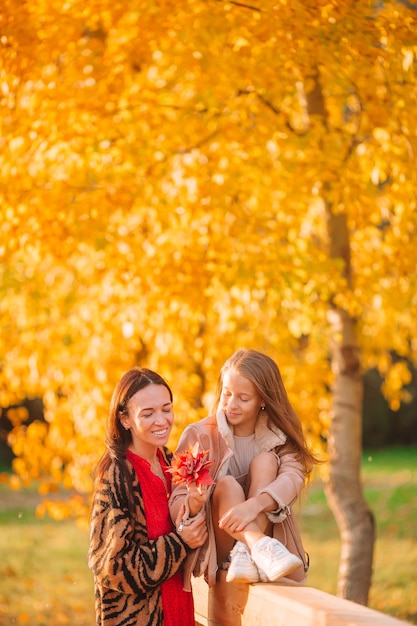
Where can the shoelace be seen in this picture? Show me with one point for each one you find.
(242, 553)
(272, 548)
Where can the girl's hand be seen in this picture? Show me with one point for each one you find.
(238, 517)
(197, 497)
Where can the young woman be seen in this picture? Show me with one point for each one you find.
(136, 553)
(260, 464)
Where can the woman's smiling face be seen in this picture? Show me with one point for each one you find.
(241, 402)
(150, 418)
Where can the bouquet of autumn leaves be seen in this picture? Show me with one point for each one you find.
(190, 466)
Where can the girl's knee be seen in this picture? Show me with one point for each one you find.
(265, 462)
(226, 484)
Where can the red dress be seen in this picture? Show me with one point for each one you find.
(177, 604)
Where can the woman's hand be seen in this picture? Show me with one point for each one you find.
(193, 530)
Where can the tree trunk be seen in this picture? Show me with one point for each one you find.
(343, 487)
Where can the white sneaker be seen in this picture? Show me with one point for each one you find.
(241, 569)
(263, 578)
(273, 558)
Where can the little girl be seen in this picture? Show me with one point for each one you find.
(261, 462)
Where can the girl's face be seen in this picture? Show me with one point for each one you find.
(241, 403)
(150, 419)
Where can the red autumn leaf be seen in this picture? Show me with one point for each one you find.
(190, 466)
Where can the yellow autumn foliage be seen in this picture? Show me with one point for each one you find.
(161, 203)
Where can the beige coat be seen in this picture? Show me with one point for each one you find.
(214, 434)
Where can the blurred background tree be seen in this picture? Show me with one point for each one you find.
(181, 179)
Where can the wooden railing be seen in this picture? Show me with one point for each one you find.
(278, 604)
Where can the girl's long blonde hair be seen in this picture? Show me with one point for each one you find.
(264, 373)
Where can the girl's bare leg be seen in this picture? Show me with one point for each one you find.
(228, 493)
(263, 470)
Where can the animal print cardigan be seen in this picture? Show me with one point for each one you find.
(128, 567)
